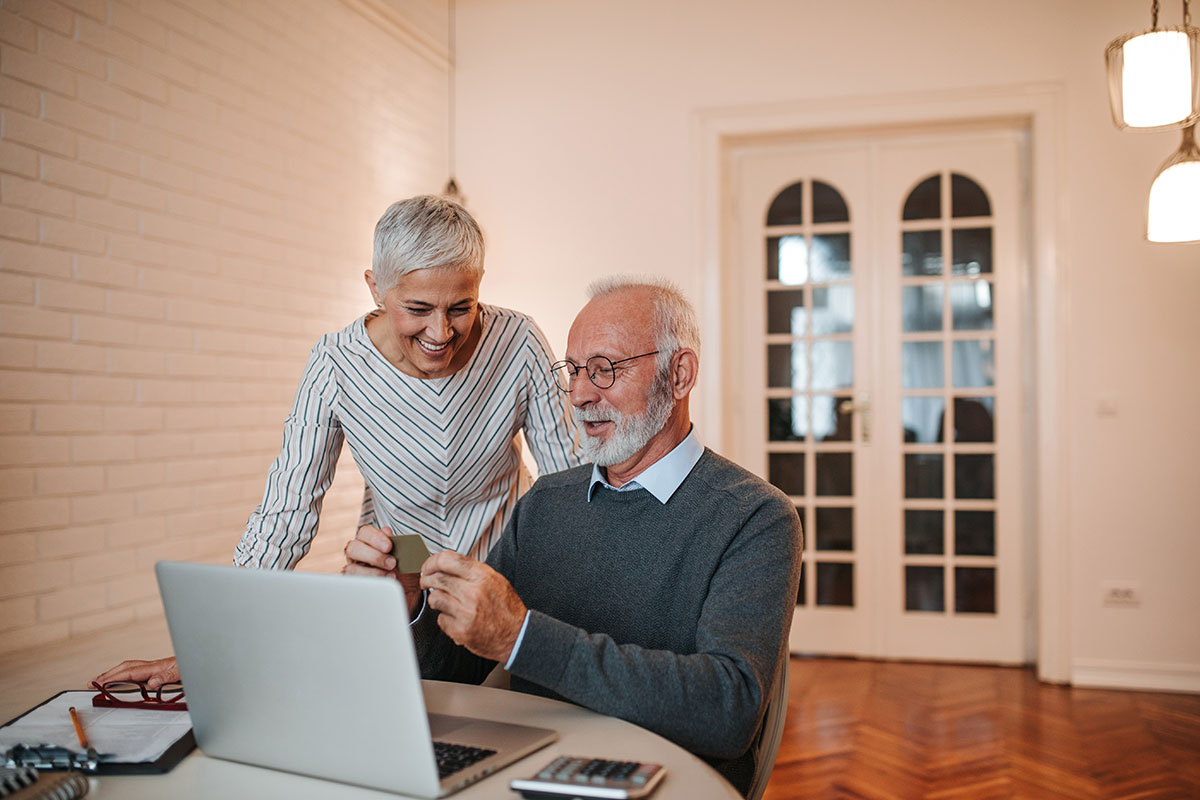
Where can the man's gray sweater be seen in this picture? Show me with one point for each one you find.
(671, 616)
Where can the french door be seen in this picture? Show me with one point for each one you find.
(875, 283)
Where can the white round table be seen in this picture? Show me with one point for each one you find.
(582, 733)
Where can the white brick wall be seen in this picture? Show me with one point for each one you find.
(187, 194)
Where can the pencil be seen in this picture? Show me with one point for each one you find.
(83, 742)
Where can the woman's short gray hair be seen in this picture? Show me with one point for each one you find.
(675, 325)
(423, 232)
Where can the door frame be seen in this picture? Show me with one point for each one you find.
(716, 131)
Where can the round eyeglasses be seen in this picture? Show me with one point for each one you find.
(601, 371)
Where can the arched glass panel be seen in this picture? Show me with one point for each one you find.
(925, 201)
(828, 204)
(788, 206)
(967, 198)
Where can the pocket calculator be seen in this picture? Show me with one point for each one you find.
(573, 776)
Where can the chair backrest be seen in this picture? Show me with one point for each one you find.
(772, 730)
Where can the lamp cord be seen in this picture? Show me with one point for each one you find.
(451, 132)
(1187, 14)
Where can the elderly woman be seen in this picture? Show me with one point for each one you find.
(429, 390)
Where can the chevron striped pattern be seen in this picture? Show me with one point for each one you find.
(880, 730)
(437, 455)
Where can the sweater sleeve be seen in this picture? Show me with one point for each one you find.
(711, 701)
(280, 530)
(548, 425)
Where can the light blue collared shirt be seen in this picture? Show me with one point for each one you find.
(660, 479)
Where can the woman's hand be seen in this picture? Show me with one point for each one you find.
(154, 673)
(369, 553)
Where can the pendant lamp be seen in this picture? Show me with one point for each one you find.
(1173, 211)
(1154, 76)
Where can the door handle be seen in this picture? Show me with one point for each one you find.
(862, 407)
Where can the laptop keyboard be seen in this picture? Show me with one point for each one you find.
(453, 757)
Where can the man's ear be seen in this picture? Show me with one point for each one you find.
(369, 277)
(685, 365)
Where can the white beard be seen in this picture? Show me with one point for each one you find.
(630, 433)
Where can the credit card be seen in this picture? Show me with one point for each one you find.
(410, 552)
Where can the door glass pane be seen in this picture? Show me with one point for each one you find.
(921, 363)
(925, 201)
(922, 253)
(922, 307)
(835, 474)
(922, 418)
(924, 589)
(972, 251)
(974, 419)
(785, 312)
(924, 475)
(787, 259)
(971, 305)
(788, 206)
(974, 476)
(801, 593)
(835, 584)
(833, 309)
(786, 472)
(975, 590)
(787, 365)
(974, 363)
(835, 528)
(924, 531)
(828, 204)
(830, 423)
(967, 198)
(787, 418)
(833, 365)
(975, 533)
(831, 256)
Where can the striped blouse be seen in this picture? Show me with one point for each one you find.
(438, 455)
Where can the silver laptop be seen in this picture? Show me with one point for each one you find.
(316, 674)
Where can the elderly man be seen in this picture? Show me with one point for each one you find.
(656, 585)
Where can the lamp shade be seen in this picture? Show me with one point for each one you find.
(1173, 211)
(1154, 78)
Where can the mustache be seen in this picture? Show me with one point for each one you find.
(594, 414)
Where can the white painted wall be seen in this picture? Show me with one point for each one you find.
(575, 126)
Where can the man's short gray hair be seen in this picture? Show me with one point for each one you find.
(675, 325)
(423, 232)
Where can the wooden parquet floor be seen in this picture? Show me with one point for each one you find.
(893, 731)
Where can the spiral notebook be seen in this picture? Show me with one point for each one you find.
(26, 783)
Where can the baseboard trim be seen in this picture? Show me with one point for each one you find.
(1137, 675)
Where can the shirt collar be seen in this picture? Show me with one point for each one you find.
(661, 478)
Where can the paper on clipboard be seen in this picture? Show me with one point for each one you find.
(124, 735)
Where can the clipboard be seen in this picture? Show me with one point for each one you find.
(168, 739)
